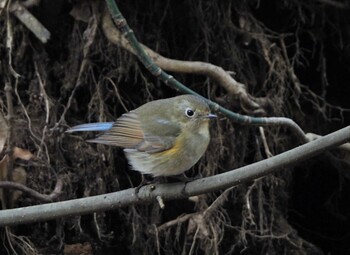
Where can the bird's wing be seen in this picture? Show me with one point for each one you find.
(125, 132)
(128, 132)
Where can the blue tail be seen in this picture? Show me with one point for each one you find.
(99, 126)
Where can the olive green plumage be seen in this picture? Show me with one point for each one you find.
(162, 137)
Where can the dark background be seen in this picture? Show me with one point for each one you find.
(300, 210)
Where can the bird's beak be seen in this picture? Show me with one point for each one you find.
(210, 116)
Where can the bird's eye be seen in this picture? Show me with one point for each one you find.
(189, 112)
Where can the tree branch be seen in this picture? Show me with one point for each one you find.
(30, 21)
(217, 73)
(171, 191)
(155, 70)
(33, 193)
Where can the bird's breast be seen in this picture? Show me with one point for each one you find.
(187, 149)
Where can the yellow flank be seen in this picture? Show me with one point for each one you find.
(178, 145)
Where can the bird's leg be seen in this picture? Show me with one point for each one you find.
(184, 178)
(153, 180)
(143, 182)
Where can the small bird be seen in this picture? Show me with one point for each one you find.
(162, 137)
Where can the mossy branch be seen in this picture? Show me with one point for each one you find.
(127, 32)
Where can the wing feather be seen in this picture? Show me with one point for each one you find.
(127, 132)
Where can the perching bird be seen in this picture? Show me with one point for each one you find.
(163, 137)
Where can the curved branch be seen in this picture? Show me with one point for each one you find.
(171, 191)
(216, 73)
(33, 193)
(124, 28)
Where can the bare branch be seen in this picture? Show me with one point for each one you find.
(42, 197)
(337, 4)
(171, 191)
(30, 21)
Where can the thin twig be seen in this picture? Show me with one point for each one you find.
(10, 143)
(176, 221)
(42, 197)
(337, 4)
(90, 35)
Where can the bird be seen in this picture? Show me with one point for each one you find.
(163, 137)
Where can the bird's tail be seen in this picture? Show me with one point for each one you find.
(99, 126)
